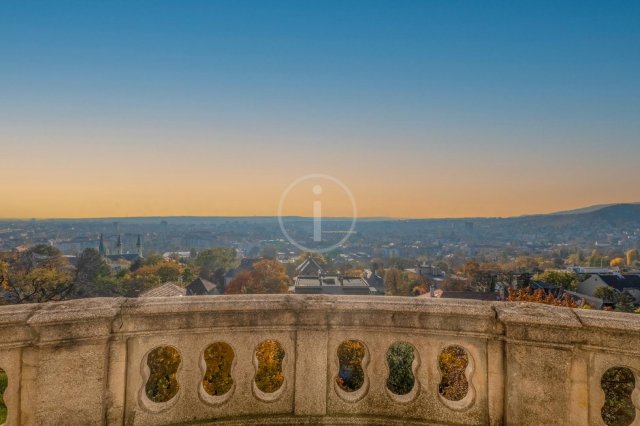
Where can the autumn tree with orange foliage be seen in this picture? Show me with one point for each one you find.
(632, 257)
(161, 272)
(350, 356)
(269, 376)
(617, 262)
(539, 296)
(266, 276)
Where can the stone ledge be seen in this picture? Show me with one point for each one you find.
(23, 325)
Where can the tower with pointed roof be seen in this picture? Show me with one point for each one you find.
(139, 245)
(101, 248)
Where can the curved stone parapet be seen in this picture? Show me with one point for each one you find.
(99, 361)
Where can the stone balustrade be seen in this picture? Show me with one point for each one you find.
(89, 361)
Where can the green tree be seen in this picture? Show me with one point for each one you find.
(214, 263)
(93, 276)
(150, 259)
(625, 302)
(606, 293)
(189, 274)
(90, 265)
(3, 387)
(565, 279)
(617, 384)
(596, 259)
(400, 358)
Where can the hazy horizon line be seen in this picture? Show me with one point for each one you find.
(577, 210)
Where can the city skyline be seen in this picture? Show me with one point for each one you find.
(422, 109)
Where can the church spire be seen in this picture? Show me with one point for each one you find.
(101, 249)
(139, 246)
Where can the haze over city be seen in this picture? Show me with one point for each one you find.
(423, 109)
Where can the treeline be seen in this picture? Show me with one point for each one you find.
(42, 274)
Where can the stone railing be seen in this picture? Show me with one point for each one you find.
(87, 361)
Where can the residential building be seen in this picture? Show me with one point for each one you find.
(629, 283)
(165, 290)
(202, 287)
(331, 284)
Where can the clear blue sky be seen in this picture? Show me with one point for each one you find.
(471, 103)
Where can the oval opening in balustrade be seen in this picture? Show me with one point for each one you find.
(269, 375)
(400, 357)
(4, 382)
(218, 358)
(163, 363)
(618, 384)
(350, 374)
(453, 362)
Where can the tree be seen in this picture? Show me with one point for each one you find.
(3, 387)
(265, 276)
(470, 269)
(40, 274)
(625, 302)
(526, 264)
(161, 272)
(189, 274)
(214, 263)
(632, 257)
(90, 265)
(539, 296)
(350, 374)
(400, 356)
(598, 260)
(269, 376)
(576, 258)
(606, 293)
(395, 283)
(617, 384)
(564, 279)
(93, 276)
(617, 262)
(150, 259)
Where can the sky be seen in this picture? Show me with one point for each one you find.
(420, 108)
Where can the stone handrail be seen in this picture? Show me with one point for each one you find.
(84, 361)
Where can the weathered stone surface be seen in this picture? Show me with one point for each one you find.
(84, 361)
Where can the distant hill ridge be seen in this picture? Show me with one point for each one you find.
(616, 215)
(591, 209)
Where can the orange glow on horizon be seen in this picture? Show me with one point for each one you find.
(67, 176)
